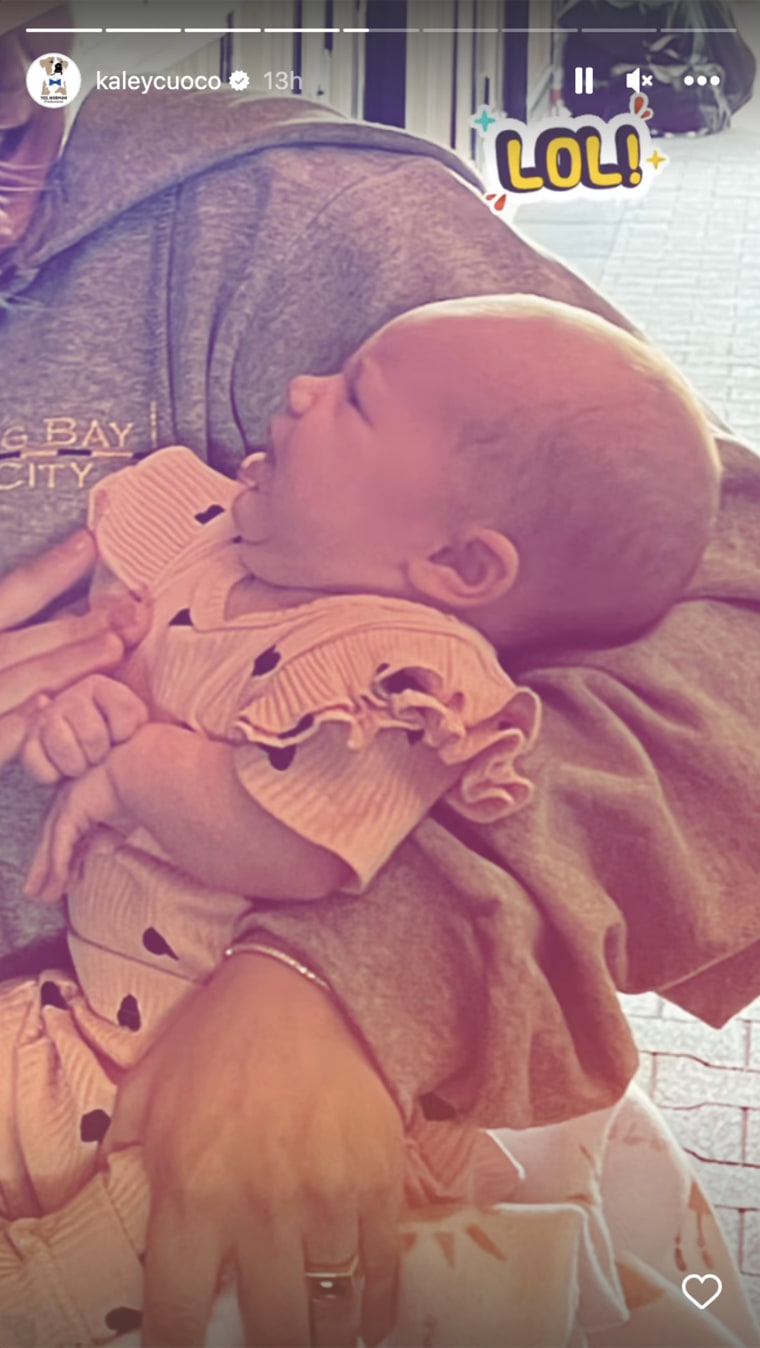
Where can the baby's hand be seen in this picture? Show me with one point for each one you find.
(77, 808)
(76, 730)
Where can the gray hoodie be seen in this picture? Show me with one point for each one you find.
(192, 254)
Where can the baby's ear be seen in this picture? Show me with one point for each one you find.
(479, 568)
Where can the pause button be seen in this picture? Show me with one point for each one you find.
(584, 79)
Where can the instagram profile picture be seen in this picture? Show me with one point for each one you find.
(53, 80)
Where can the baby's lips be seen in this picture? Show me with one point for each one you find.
(251, 469)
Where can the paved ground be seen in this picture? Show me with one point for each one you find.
(685, 264)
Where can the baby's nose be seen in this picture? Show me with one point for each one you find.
(301, 393)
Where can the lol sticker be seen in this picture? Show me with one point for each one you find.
(568, 156)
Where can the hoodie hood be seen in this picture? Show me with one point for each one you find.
(199, 131)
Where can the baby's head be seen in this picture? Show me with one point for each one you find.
(516, 461)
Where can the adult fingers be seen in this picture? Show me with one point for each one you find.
(334, 1307)
(132, 1105)
(380, 1244)
(130, 614)
(182, 1263)
(31, 587)
(271, 1283)
(53, 670)
(334, 1323)
(28, 642)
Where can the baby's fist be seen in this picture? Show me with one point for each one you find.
(76, 730)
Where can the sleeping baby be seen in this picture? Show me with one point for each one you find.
(321, 668)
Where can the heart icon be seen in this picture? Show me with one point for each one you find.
(704, 1297)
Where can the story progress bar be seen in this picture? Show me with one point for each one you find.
(232, 31)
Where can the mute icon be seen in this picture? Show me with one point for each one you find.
(633, 80)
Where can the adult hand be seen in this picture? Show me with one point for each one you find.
(270, 1143)
(42, 659)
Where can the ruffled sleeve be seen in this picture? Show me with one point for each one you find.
(146, 515)
(352, 741)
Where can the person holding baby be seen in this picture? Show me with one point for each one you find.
(511, 1016)
(307, 691)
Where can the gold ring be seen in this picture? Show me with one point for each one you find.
(334, 1282)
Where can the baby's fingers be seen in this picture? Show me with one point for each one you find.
(78, 730)
(122, 709)
(61, 856)
(48, 876)
(37, 880)
(36, 763)
(31, 754)
(49, 870)
(64, 745)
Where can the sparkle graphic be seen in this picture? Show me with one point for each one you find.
(484, 120)
(656, 159)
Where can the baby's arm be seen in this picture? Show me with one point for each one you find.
(184, 789)
(301, 813)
